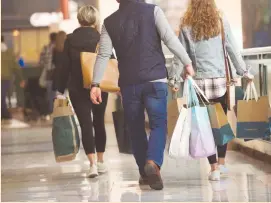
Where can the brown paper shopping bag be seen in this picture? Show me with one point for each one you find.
(174, 108)
(65, 134)
(252, 115)
(221, 128)
(110, 79)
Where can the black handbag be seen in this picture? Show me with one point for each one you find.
(122, 132)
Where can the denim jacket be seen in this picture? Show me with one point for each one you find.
(207, 55)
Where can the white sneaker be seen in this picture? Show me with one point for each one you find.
(101, 167)
(223, 169)
(93, 171)
(214, 175)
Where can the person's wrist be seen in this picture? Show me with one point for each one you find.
(95, 85)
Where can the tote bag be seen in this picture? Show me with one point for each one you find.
(110, 79)
(65, 134)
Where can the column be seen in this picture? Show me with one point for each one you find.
(65, 9)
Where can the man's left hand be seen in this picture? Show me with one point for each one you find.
(96, 95)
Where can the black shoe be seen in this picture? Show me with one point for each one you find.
(154, 177)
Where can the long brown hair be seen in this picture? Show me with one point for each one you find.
(60, 40)
(203, 18)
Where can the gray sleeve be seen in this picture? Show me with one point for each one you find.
(177, 66)
(233, 50)
(169, 38)
(104, 54)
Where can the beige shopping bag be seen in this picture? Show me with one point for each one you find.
(62, 108)
(110, 79)
(221, 128)
(65, 134)
(252, 115)
(174, 108)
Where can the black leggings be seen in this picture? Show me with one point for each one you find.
(83, 107)
(221, 150)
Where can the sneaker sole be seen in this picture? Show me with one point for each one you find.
(92, 175)
(154, 180)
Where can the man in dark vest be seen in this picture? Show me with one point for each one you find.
(135, 31)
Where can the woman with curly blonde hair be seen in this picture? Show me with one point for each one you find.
(201, 34)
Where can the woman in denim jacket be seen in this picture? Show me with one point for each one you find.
(200, 34)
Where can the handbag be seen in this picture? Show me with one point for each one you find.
(122, 131)
(110, 79)
(230, 83)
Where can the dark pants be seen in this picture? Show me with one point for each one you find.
(151, 96)
(221, 150)
(83, 107)
(50, 96)
(5, 84)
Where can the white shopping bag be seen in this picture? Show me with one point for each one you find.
(179, 145)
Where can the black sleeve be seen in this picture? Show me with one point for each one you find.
(64, 70)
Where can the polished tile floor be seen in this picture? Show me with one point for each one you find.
(29, 173)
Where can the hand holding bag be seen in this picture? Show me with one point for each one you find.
(110, 79)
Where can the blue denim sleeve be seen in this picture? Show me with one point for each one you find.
(233, 50)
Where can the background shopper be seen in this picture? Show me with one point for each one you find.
(46, 79)
(201, 35)
(84, 39)
(9, 69)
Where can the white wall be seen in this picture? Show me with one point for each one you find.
(107, 7)
(233, 12)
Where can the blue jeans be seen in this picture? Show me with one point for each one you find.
(151, 96)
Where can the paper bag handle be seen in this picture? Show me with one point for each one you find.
(198, 89)
(250, 92)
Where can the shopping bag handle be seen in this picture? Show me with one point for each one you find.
(250, 92)
(198, 89)
(189, 92)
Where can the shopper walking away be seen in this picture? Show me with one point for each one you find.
(84, 39)
(135, 31)
(201, 36)
(9, 69)
(46, 79)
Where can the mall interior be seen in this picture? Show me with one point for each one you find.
(29, 171)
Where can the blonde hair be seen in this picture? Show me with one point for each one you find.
(60, 40)
(204, 19)
(88, 16)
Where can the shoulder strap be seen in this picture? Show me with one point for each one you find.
(229, 76)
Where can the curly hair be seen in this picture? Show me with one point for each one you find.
(203, 18)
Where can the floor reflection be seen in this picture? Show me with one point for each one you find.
(29, 173)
